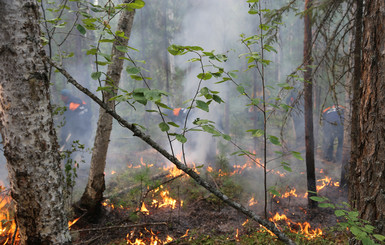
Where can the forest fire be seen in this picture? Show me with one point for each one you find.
(166, 201)
(147, 239)
(297, 227)
(7, 224)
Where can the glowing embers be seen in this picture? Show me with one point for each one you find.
(7, 222)
(296, 227)
(147, 238)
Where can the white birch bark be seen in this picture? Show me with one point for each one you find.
(30, 142)
(93, 194)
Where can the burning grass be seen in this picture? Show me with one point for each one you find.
(146, 194)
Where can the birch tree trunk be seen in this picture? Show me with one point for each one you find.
(30, 142)
(308, 94)
(93, 194)
(367, 170)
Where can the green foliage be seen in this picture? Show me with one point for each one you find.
(360, 228)
(72, 159)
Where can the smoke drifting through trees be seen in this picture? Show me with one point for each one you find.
(214, 25)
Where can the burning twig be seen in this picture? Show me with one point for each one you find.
(146, 138)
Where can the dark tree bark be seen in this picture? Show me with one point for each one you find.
(29, 138)
(308, 97)
(367, 171)
(93, 194)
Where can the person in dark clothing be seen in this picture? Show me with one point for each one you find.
(333, 129)
(77, 120)
(178, 116)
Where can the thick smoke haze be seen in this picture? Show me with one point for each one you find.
(213, 25)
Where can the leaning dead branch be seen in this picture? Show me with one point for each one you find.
(146, 138)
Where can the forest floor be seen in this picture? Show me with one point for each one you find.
(165, 208)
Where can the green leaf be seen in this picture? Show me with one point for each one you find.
(181, 138)
(369, 228)
(173, 124)
(162, 105)
(81, 29)
(240, 89)
(233, 75)
(226, 137)
(217, 99)
(356, 231)
(164, 126)
(317, 199)
(123, 49)
(132, 70)
(96, 75)
(202, 105)
(367, 241)
(326, 205)
(136, 77)
(297, 155)
(138, 95)
(379, 237)
(339, 213)
(138, 4)
(176, 49)
(274, 192)
(274, 140)
(205, 76)
(256, 132)
(287, 168)
(106, 40)
(204, 91)
(92, 51)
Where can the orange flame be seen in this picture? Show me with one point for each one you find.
(186, 234)
(71, 223)
(237, 236)
(144, 210)
(304, 228)
(252, 202)
(8, 224)
(153, 240)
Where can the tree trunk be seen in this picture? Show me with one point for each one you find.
(308, 94)
(93, 194)
(367, 171)
(30, 142)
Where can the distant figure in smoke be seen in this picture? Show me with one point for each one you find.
(77, 120)
(178, 116)
(333, 129)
